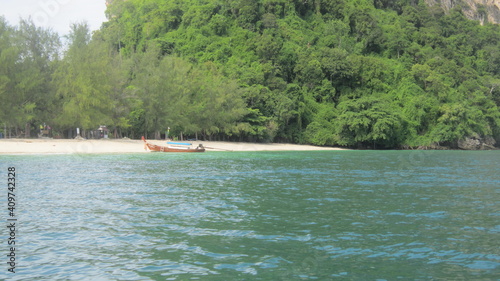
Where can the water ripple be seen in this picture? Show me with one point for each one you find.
(258, 216)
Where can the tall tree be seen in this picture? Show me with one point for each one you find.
(217, 105)
(28, 53)
(164, 86)
(83, 83)
(8, 57)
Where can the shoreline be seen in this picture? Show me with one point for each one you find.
(102, 146)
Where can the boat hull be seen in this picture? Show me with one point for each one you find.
(159, 148)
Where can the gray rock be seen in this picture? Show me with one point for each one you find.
(476, 143)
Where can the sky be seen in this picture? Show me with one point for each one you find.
(56, 14)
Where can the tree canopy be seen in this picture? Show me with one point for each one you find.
(378, 74)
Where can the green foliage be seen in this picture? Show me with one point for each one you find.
(367, 121)
(83, 82)
(383, 74)
(26, 63)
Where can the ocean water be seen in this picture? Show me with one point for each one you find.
(334, 215)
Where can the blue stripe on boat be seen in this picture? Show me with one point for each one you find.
(178, 143)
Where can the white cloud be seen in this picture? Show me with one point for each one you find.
(56, 14)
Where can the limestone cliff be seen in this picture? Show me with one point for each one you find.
(481, 10)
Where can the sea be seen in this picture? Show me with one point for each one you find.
(310, 215)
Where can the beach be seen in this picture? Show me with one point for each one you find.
(71, 146)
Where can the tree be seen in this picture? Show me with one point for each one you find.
(163, 86)
(369, 121)
(216, 105)
(398, 38)
(28, 53)
(83, 82)
(8, 57)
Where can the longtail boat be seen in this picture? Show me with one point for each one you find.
(159, 148)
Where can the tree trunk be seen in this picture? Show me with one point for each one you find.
(27, 133)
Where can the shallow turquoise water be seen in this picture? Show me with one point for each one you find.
(336, 215)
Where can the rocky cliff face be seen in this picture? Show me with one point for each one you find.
(481, 10)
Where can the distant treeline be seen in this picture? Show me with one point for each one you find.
(378, 73)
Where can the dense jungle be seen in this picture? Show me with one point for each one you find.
(364, 74)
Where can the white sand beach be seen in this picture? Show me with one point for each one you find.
(68, 146)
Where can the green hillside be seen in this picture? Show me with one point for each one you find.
(375, 74)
